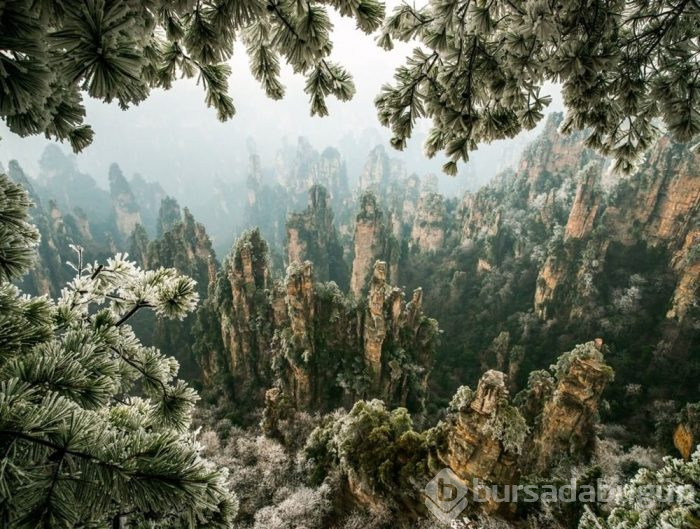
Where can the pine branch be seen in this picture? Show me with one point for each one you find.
(271, 6)
(140, 369)
(131, 312)
(14, 435)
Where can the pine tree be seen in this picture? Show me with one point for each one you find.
(481, 67)
(663, 498)
(93, 425)
(478, 73)
(119, 50)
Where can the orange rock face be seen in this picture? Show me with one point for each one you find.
(562, 410)
(585, 207)
(687, 263)
(683, 440)
(321, 348)
(472, 452)
(370, 242)
(565, 425)
(547, 281)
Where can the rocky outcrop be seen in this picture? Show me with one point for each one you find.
(311, 236)
(244, 277)
(659, 207)
(185, 246)
(329, 171)
(586, 204)
(149, 196)
(82, 223)
(553, 157)
(375, 324)
(687, 263)
(267, 204)
(138, 247)
(549, 278)
(566, 284)
(489, 442)
(169, 215)
(300, 351)
(126, 208)
(428, 233)
(306, 168)
(254, 180)
(321, 348)
(236, 336)
(683, 440)
(338, 352)
(479, 216)
(669, 192)
(375, 176)
(667, 205)
(410, 196)
(295, 168)
(372, 242)
(564, 426)
(473, 449)
(687, 431)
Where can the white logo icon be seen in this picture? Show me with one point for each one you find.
(446, 495)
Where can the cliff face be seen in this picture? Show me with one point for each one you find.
(658, 206)
(666, 203)
(548, 280)
(169, 215)
(149, 196)
(185, 246)
(254, 181)
(266, 206)
(311, 235)
(320, 347)
(487, 438)
(586, 204)
(564, 426)
(126, 209)
(479, 217)
(376, 325)
(372, 242)
(376, 174)
(241, 303)
(553, 157)
(409, 203)
(337, 352)
(687, 263)
(473, 449)
(300, 347)
(306, 167)
(330, 172)
(428, 232)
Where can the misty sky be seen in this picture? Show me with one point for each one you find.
(173, 136)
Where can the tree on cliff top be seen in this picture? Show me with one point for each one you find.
(93, 425)
(478, 72)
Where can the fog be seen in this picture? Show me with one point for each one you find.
(173, 138)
